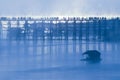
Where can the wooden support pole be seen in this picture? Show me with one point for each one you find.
(51, 30)
(80, 30)
(74, 29)
(66, 30)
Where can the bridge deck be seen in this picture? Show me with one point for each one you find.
(76, 28)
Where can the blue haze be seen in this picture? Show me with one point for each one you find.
(58, 60)
(59, 7)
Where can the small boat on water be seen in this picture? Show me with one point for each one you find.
(92, 56)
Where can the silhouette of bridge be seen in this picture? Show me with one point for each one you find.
(55, 28)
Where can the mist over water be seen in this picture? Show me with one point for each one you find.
(59, 8)
(56, 60)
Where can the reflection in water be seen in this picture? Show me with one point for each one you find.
(55, 49)
(55, 55)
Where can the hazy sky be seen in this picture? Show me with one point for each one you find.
(59, 7)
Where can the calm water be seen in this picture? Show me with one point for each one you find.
(57, 60)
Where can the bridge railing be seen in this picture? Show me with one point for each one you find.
(55, 28)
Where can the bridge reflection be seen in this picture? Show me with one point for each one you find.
(23, 55)
(54, 47)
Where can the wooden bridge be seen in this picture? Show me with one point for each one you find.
(55, 28)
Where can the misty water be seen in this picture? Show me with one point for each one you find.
(57, 60)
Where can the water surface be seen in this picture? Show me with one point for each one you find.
(57, 60)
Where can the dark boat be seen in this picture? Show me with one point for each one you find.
(92, 56)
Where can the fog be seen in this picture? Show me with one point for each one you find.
(59, 8)
(57, 60)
